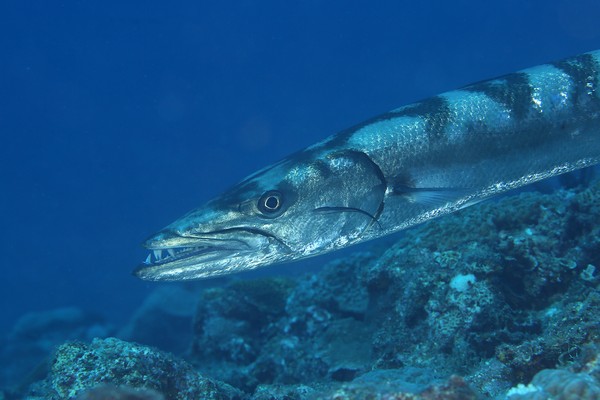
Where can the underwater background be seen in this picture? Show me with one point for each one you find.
(117, 117)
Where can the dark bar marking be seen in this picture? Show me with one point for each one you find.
(584, 71)
(512, 90)
(436, 113)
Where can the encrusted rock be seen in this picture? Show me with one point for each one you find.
(78, 367)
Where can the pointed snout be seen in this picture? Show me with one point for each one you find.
(168, 238)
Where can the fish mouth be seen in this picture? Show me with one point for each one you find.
(184, 256)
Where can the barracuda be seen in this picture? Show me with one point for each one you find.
(396, 170)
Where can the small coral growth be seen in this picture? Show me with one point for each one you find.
(555, 384)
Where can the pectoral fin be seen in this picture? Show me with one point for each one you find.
(430, 197)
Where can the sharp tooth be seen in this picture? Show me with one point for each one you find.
(157, 254)
(148, 259)
(171, 252)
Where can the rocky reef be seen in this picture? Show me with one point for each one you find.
(25, 351)
(494, 293)
(500, 300)
(81, 370)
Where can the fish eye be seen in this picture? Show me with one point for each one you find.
(270, 202)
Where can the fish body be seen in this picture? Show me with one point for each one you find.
(393, 171)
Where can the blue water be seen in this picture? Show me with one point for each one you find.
(118, 116)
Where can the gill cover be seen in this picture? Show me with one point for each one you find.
(333, 199)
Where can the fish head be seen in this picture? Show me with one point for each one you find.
(302, 206)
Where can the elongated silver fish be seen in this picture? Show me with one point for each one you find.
(396, 170)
